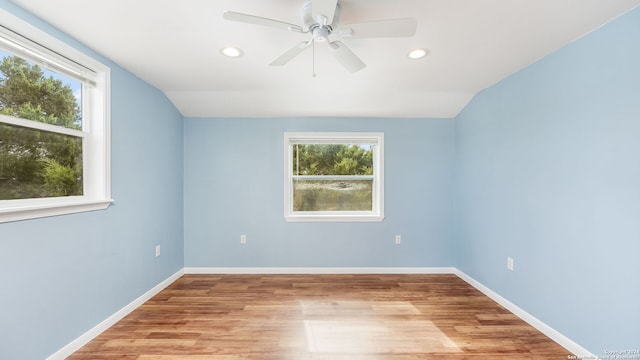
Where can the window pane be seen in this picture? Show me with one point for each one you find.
(36, 163)
(332, 159)
(332, 195)
(31, 92)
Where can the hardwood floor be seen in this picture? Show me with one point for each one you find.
(355, 317)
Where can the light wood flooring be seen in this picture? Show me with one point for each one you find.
(354, 317)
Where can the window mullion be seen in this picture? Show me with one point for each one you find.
(333, 177)
(30, 124)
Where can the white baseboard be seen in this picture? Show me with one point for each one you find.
(553, 334)
(320, 270)
(111, 320)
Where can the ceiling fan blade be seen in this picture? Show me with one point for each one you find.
(324, 9)
(257, 20)
(291, 53)
(381, 28)
(346, 57)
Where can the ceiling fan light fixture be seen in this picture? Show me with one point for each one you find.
(232, 52)
(418, 53)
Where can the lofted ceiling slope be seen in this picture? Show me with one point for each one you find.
(175, 46)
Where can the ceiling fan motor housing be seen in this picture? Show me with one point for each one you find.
(311, 23)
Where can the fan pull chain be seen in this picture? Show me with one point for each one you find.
(313, 60)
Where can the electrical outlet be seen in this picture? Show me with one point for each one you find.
(510, 263)
(157, 250)
(243, 239)
(398, 239)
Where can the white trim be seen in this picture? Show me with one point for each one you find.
(547, 330)
(11, 120)
(16, 213)
(332, 217)
(333, 177)
(28, 49)
(319, 270)
(111, 320)
(330, 137)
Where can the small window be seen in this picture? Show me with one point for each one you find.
(334, 177)
(54, 123)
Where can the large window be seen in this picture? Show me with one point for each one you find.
(334, 176)
(54, 125)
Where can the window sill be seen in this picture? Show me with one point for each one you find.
(34, 211)
(334, 218)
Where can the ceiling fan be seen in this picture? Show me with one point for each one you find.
(321, 19)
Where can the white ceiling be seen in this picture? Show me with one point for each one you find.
(175, 46)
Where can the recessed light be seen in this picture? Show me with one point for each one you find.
(231, 52)
(418, 53)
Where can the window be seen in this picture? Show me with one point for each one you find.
(334, 176)
(54, 125)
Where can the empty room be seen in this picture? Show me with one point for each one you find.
(320, 179)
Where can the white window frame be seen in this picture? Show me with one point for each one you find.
(38, 46)
(375, 215)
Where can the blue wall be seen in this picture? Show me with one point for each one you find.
(61, 276)
(234, 183)
(548, 172)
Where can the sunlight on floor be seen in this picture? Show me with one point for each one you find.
(347, 327)
(370, 336)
